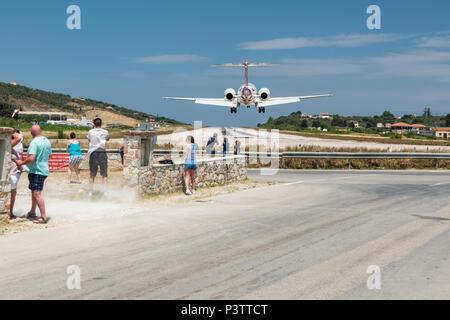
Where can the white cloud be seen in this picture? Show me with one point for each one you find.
(434, 65)
(317, 67)
(418, 64)
(170, 58)
(435, 42)
(344, 40)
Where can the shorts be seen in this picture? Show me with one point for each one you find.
(98, 158)
(36, 182)
(189, 166)
(14, 180)
(75, 160)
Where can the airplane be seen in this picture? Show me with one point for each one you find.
(247, 94)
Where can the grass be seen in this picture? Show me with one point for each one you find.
(360, 164)
(381, 164)
(315, 148)
(361, 137)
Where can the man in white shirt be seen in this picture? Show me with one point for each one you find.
(97, 152)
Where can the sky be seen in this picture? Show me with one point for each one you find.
(132, 53)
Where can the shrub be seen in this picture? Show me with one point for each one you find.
(61, 134)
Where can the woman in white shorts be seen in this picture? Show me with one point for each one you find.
(14, 177)
(75, 157)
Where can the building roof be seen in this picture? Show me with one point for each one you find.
(407, 125)
(441, 129)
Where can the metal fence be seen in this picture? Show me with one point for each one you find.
(282, 156)
(311, 155)
(308, 155)
(331, 155)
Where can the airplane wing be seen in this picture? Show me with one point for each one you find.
(209, 101)
(286, 100)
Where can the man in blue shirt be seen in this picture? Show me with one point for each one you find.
(39, 152)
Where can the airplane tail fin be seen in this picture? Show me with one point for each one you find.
(246, 64)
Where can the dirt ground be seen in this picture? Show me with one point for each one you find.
(69, 202)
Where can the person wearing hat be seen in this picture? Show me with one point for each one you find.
(211, 145)
(97, 153)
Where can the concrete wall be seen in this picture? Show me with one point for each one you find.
(162, 179)
(138, 154)
(5, 159)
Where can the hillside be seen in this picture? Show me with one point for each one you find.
(30, 99)
(296, 121)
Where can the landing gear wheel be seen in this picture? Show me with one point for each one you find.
(233, 110)
(261, 110)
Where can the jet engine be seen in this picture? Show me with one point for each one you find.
(264, 94)
(230, 94)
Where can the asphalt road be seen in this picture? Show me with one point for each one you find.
(312, 235)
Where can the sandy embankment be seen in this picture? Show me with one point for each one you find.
(70, 203)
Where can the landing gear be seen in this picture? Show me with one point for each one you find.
(233, 110)
(261, 110)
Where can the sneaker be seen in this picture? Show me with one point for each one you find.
(193, 191)
(188, 192)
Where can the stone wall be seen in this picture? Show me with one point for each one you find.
(140, 172)
(5, 159)
(162, 179)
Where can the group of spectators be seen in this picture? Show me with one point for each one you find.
(36, 164)
(213, 144)
(40, 150)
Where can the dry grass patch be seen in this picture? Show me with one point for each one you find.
(368, 138)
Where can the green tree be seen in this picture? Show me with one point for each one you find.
(447, 120)
(338, 121)
(6, 109)
(388, 115)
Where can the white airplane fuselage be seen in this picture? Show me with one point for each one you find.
(247, 94)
